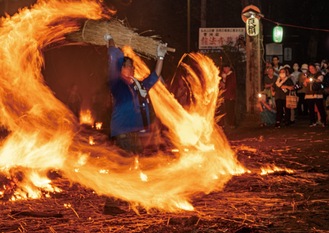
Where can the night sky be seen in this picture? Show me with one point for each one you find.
(168, 19)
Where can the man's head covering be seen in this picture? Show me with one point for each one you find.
(304, 67)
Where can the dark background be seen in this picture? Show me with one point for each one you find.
(169, 20)
(86, 65)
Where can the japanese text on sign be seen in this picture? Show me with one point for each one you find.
(215, 38)
(252, 25)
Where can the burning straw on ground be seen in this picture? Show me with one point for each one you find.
(57, 181)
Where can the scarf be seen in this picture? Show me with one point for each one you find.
(142, 91)
(279, 82)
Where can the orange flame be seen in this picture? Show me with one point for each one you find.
(43, 131)
(41, 128)
(98, 125)
(86, 117)
(272, 169)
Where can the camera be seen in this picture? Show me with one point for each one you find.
(261, 97)
(297, 86)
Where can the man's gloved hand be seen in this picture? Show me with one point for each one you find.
(109, 40)
(161, 50)
(107, 37)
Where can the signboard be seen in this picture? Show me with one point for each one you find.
(274, 49)
(215, 38)
(287, 54)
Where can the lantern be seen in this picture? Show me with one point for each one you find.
(277, 34)
(252, 25)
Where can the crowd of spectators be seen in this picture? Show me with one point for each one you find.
(308, 81)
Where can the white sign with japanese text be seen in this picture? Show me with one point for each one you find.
(215, 38)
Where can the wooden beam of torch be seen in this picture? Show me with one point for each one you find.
(94, 32)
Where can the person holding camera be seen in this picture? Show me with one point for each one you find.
(314, 95)
(281, 87)
(267, 110)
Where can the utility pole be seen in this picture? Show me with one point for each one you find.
(250, 15)
(203, 15)
(188, 25)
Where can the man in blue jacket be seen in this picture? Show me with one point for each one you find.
(131, 106)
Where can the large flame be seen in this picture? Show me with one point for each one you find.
(44, 135)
